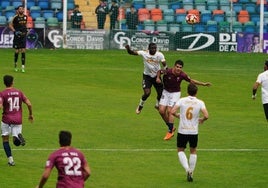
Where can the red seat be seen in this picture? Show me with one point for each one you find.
(156, 14)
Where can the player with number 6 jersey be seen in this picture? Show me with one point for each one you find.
(73, 169)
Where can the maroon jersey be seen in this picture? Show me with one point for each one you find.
(172, 82)
(12, 99)
(69, 163)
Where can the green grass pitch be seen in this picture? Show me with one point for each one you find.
(94, 95)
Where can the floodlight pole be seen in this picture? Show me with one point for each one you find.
(64, 24)
(231, 25)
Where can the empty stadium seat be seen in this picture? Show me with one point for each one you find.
(249, 27)
(30, 3)
(43, 4)
(4, 4)
(230, 16)
(188, 4)
(161, 25)
(218, 15)
(48, 14)
(40, 22)
(180, 15)
(237, 27)
(149, 25)
(205, 16)
(176, 5)
(143, 14)
(163, 4)
(243, 16)
(224, 26)
(199, 27)
(156, 14)
(201, 5)
(212, 5)
(3, 21)
(138, 4)
(52, 22)
(168, 15)
(251, 8)
(59, 15)
(237, 7)
(212, 26)
(174, 28)
(56, 4)
(185, 27)
(150, 4)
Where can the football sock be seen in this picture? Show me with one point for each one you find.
(16, 141)
(192, 161)
(170, 127)
(10, 159)
(23, 59)
(183, 160)
(16, 55)
(7, 149)
(141, 102)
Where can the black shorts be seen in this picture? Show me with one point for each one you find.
(19, 42)
(148, 82)
(265, 107)
(183, 139)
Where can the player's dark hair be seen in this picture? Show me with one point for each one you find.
(151, 45)
(192, 89)
(179, 62)
(8, 80)
(19, 7)
(65, 138)
(266, 62)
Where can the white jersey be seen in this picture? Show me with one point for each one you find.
(151, 62)
(190, 108)
(263, 80)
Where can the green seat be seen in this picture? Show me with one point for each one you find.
(52, 22)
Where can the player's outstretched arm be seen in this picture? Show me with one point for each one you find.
(129, 51)
(200, 83)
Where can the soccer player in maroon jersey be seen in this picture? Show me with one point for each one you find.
(11, 100)
(172, 79)
(73, 169)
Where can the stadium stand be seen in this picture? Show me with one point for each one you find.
(224, 26)
(4, 4)
(201, 5)
(174, 27)
(243, 16)
(30, 22)
(176, 5)
(218, 15)
(161, 25)
(156, 14)
(180, 15)
(16, 3)
(40, 22)
(200, 27)
(237, 26)
(249, 27)
(30, 3)
(205, 16)
(185, 27)
(212, 4)
(188, 4)
(52, 22)
(143, 14)
(168, 15)
(138, 4)
(163, 4)
(43, 4)
(56, 5)
(212, 26)
(149, 25)
(3, 21)
(150, 4)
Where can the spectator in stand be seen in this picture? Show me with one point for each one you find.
(101, 11)
(114, 11)
(132, 18)
(76, 18)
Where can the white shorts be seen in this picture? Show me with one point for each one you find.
(13, 130)
(169, 99)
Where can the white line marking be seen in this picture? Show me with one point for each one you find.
(149, 150)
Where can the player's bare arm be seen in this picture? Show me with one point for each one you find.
(254, 90)
(129, 51)
(205, 116)
(200, 83)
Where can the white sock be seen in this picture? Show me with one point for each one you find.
(183, 160)
(22, 66)
(141, 102)
(192, 161)
(10, 159)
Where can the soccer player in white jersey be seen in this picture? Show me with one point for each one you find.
(262, 80)
(152, 60)
(190, 108)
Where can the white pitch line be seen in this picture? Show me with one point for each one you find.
(150, 150)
